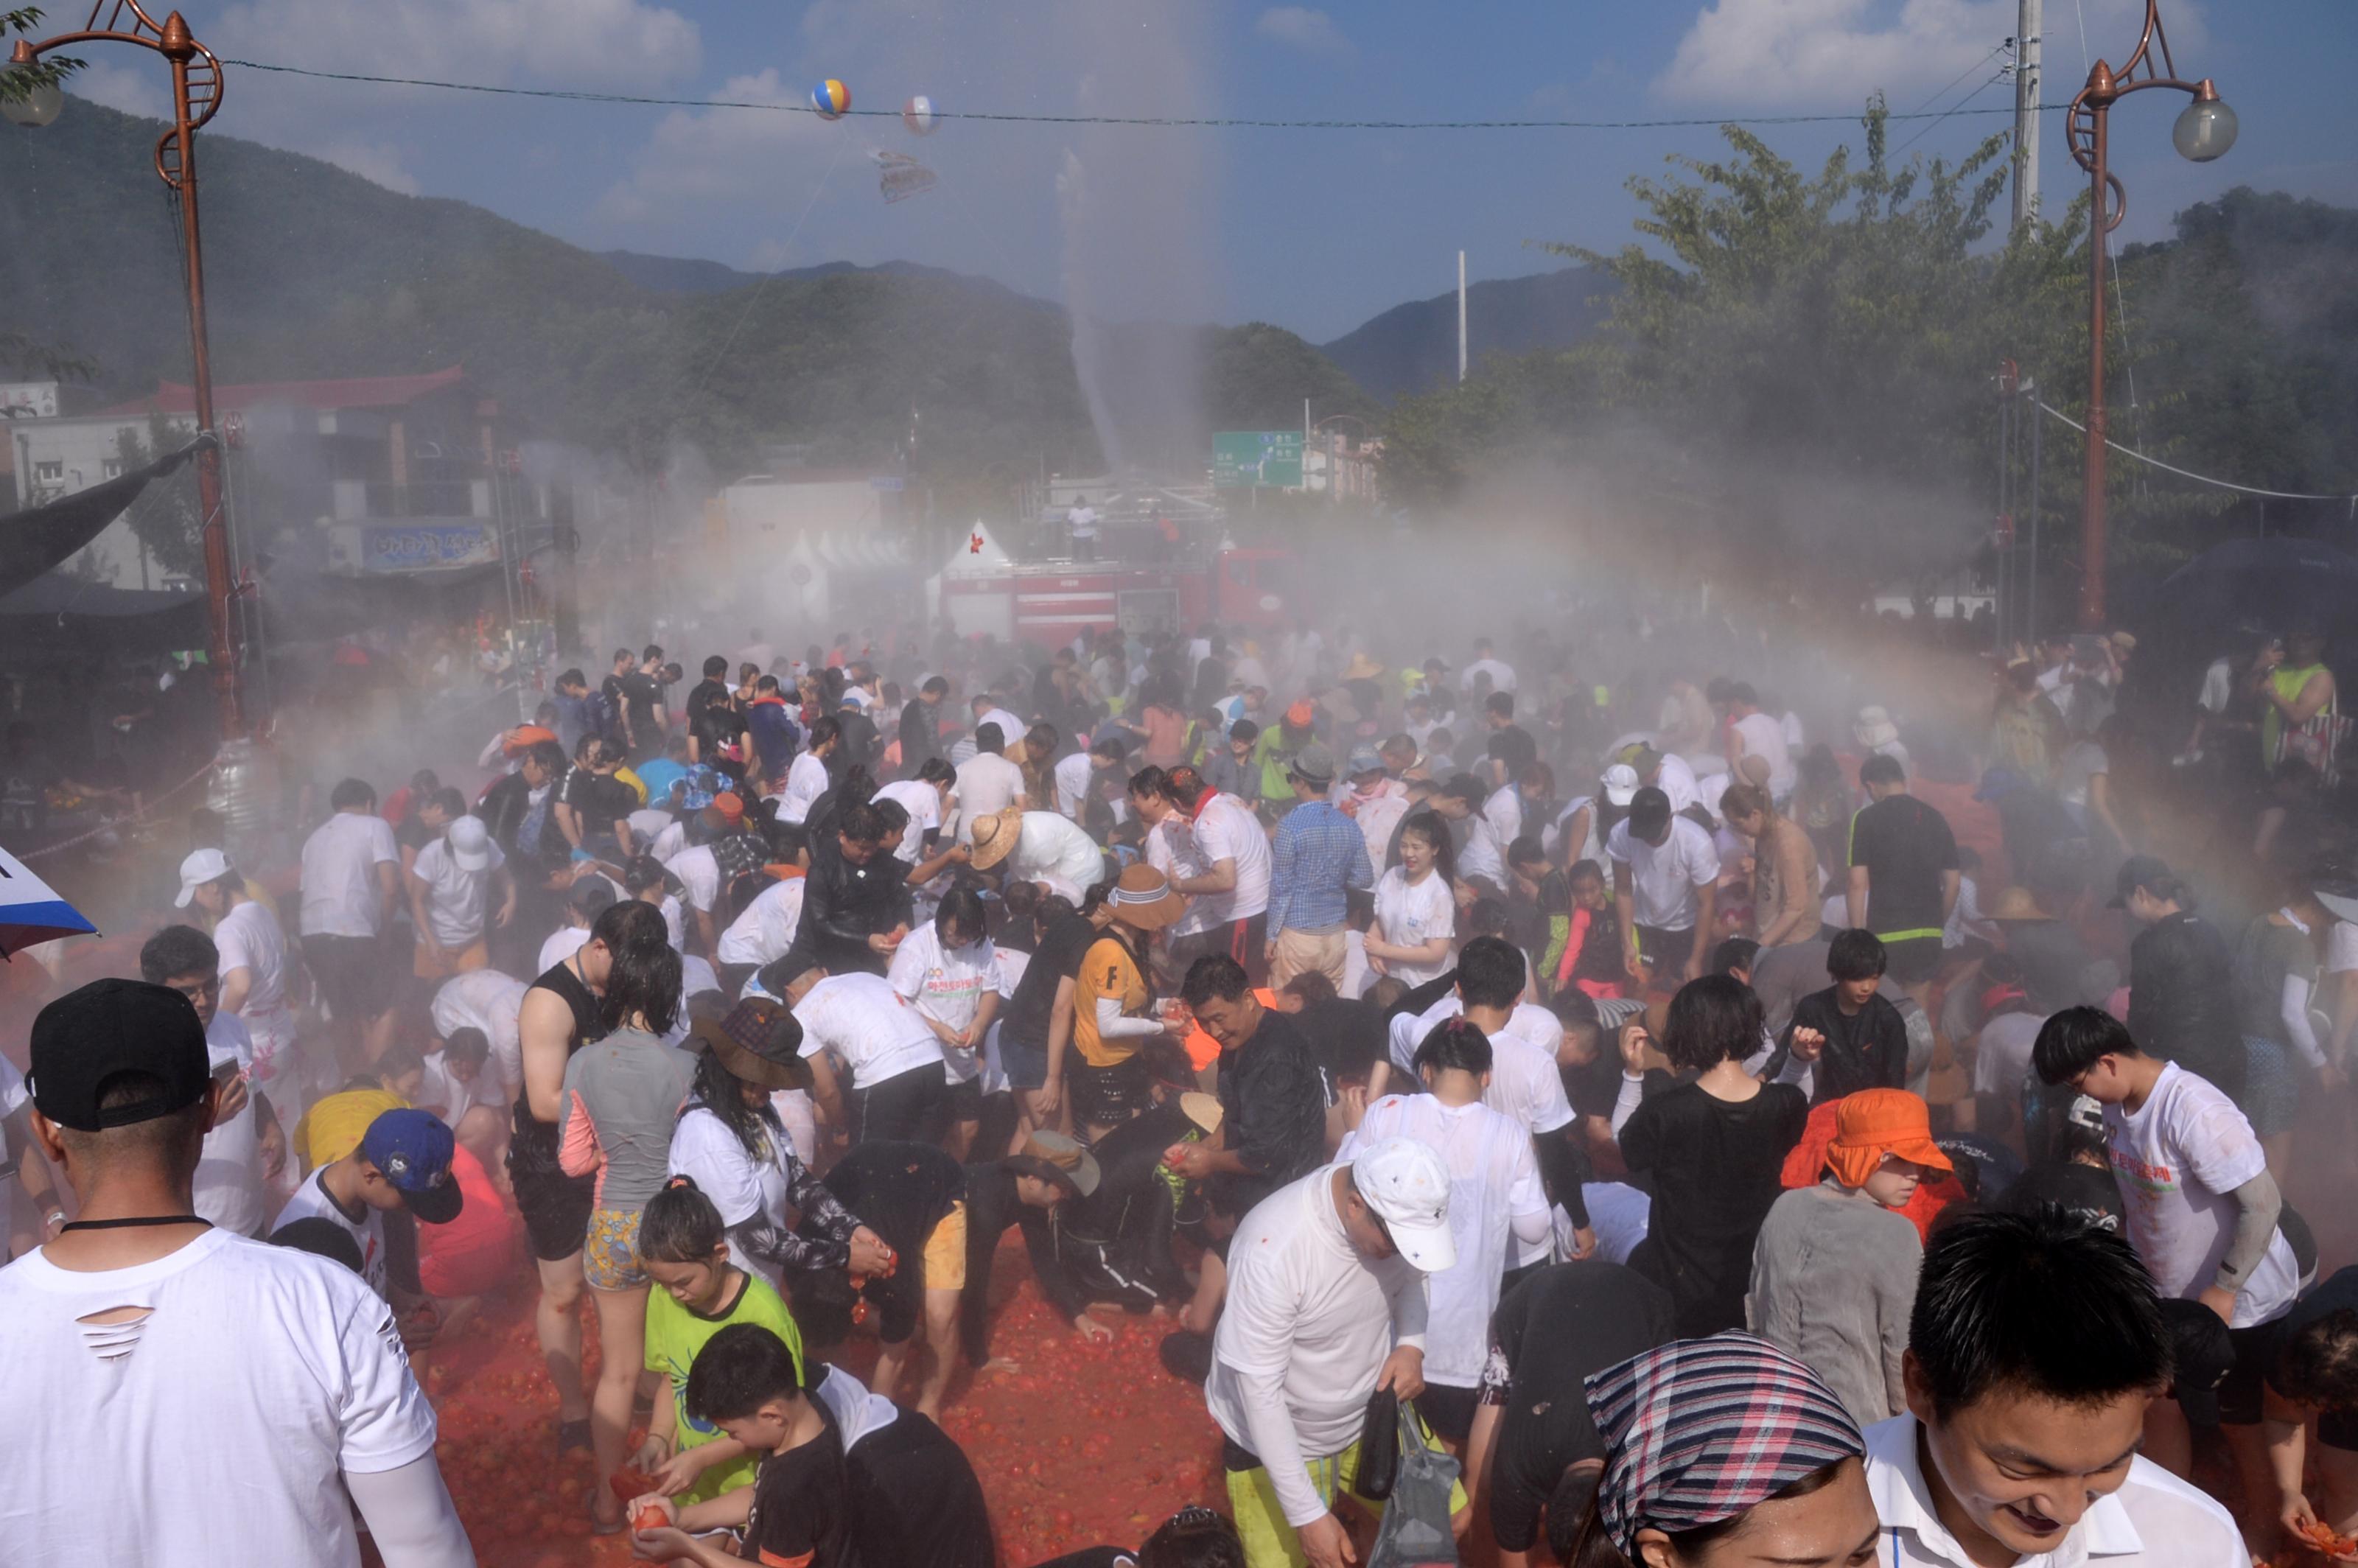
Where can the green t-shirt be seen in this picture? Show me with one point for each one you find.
(675, 1335)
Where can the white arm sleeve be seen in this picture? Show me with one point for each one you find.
(1112, 1025)
(1625, 1103)
(410, 1516)
(2294, 1010)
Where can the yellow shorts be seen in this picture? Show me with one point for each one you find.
(945, 1251)
(1269, 1540)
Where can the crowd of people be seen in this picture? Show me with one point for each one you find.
(1596, 1113)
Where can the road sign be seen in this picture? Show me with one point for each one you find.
(1256, 459)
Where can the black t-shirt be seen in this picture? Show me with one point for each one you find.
(599, 799)
(1347, 1039)
(708, 693)
(1514, 746)
(916, 1499)
(802, 1504)
(1863, 1050)
(900, 1191)
(1274, 1097)
(2337, 1293)
(2089, 1191)
(1058, 957)
(1549, 1333)
(1715, 1169)
(1905, 846)
(643, 694)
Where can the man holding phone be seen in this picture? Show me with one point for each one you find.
(246, 1149)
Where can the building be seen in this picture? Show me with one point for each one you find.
(355, 477)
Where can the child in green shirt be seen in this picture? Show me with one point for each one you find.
(684, 1251)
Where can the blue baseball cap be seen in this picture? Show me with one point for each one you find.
(414, 1150)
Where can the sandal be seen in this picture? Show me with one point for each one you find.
(599, 1526)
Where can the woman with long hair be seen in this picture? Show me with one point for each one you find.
(621, 1097)
(1415, 929)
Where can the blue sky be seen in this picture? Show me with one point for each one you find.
(1312, 230)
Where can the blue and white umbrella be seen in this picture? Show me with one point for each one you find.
(30, 910)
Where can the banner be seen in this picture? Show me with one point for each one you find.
(427, 547)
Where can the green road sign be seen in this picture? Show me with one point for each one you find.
(1256, 459)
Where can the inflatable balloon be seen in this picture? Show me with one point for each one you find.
(917, 113)
(832, 99)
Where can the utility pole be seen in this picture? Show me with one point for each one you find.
(2025, 112)
(1460, 315)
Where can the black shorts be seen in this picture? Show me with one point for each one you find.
(907, 1108)
(1913, 961)
(1106, 1097)
(353, 974)
(964, 1100)
(1026, 1064)
(1669, 950)
(556, 1206)
(2240, 1398)
(1448, 1411)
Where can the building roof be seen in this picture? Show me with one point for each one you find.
(351, 391)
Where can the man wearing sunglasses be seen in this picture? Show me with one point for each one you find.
(1326, 1306)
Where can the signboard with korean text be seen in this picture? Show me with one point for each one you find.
(1256, 459)
(427, 547)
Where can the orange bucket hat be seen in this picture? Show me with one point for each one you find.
(1873, 1123)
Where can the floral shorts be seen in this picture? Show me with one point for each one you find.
(610, 1253)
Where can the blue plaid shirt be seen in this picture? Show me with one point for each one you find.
(1317, 855)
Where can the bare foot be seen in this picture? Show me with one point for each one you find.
(998, 1366)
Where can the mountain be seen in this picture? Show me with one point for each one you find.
(1413, 348)
(313, 272)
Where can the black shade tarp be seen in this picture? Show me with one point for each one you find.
(34, 542)
(136, 622)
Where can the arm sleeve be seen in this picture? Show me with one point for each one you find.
(2293, 1008)
(2257, 1205)
(1409, 1308)
(1563, 1165)
(1278, 1448)
(1112, 1025)
(1638, 1138)
(1626, 1103)
(411, 1517)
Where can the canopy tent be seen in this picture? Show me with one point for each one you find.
(33, 542)
(30, 911)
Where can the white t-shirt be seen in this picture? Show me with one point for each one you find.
(648, 824)
(700, 876)
(455, 898)
(1524, 1082)
(1054, 851)
(1619, 1215)
(249, 938)
(228, 1171)
(1226, 830)
(987, 784)
(1307, 1325)
(1502, 675)
(340, 878)
(1010, 728)
(862, 1020)
(806, 781)
(763, 932)
(1663, 879)
(2177, 1159)
(1171, 849)
(1414, 913)
(1073, 777)
(493, 1003)
(1356, 974)
(2002, 1059)
(948, 985)
(1677, 780)
(923, 802)
(1494, 1189)
(224, 1417)
(311, 1201)
(669, 842)
(561, 944)
(1494, 828)
(1084, 520)
(2218, 687)
(2340, 947)
(1379, 816)
(1764, 737)
(739, 1185)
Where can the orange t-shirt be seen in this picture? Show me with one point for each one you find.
(1203, 1049)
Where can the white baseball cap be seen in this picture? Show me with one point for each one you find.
(470, 843)
(1407, 1186)
(202, 866)
(1621, 784)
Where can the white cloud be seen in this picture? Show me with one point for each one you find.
(1313, 32)
(596, 43)
(128, 88)
(1829, 54)
(378, 162)
(698, 159)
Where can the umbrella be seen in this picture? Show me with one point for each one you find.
(30, 910)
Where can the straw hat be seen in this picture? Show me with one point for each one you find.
(995, 836)
(1143, 899)
(2016, 904)
(1874, 728)
(1052, 1157)
(1204, 1110)
(1362, 668)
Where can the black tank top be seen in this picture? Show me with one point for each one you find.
(588, 1022)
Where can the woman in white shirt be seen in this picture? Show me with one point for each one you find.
(1416, 906)
(806, 779)
(950, 973)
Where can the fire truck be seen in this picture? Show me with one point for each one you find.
(1150, 576)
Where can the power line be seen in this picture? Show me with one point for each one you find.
(1170, 122)
(2200, 478)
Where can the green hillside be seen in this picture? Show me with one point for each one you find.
(312, 271)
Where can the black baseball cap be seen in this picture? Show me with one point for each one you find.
(108, 1028)
(2202, 1354)
(1650, 811)
(2137, 872)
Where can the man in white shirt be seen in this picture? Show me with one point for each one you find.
(1170, 848)
(986, 783)
(1670, 774)
(252, 950)
(1665, 887)
(237, 1392)
(2035, 1345)
(1326, 1306)
(458, 887)
(491, 1003)
(1083, 517)
(1040, 847)
(1754, 733)
(246, 1149)
(1234, 852)
(351, 885)
(929, 800)
(761, 934)
(1486, 663)
(897, 1089)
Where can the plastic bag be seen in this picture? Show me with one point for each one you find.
(1415, 1530)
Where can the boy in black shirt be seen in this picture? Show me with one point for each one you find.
(1865, 1038)
(747, 1381)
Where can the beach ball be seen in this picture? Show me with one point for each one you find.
(917, 113)
(832, 99)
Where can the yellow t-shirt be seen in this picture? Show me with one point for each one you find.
(334, 1128)
(674, 1336)
(1106, 970)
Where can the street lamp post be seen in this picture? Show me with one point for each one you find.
(2204, 131)
(196, 96)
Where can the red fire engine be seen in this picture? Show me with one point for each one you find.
(984, 591)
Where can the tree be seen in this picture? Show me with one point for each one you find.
(165, 517)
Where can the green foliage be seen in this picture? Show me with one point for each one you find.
(166, 516)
